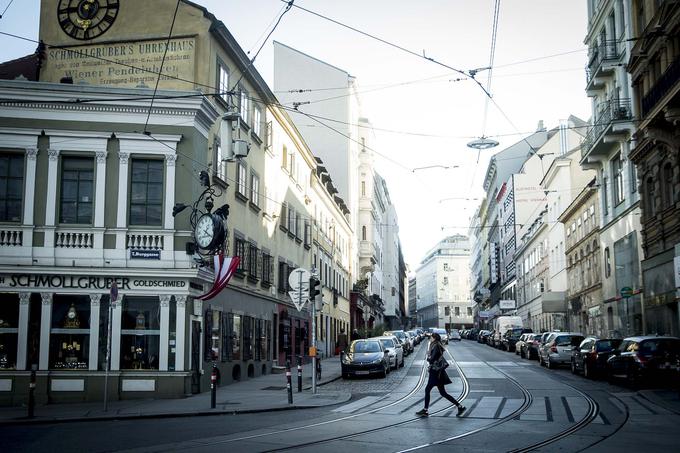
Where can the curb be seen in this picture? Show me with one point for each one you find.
(49, 421)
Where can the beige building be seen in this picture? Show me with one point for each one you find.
(587, 313)
(96, 183)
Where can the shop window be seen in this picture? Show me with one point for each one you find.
(11, 187)
(140, 333)
(258, 339)
(236, 337)
(247, 338)
(9, 331)
(227, 325)
(77, 182)
(146, 192)
(268, 340)
(70, 333)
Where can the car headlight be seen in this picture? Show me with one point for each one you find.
(346, 360)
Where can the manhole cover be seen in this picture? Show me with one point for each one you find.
(274, 388)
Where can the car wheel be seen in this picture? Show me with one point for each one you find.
(549, 364)
(586, 371)
(573, 367)
(633, 379)
(383, 373)
(402, 362)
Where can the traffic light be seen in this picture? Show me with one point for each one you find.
(315, 294)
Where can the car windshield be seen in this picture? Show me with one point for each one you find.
(387, 343)
(366, 346)
(607, 345)
(399, 335)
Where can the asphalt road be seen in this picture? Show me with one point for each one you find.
(512, 405)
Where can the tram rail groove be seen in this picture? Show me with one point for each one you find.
(625, 420)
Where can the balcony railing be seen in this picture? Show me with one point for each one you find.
(608, 112)
(74, 239)
(145, 241)
(11, 237)
(597, 55)
(662, 86)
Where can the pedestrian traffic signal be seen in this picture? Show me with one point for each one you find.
(315, 294)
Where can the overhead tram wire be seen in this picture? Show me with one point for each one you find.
(6, 8)
(160, 71)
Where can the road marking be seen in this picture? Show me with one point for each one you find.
(486, 407)
(570, 416)
(353, 406)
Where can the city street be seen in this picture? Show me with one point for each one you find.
(512, 405)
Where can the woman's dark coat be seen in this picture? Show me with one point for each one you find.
(440, 377)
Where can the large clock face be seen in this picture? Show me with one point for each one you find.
(86, 19)
(205, 231)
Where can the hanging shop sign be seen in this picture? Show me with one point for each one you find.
(19, 281)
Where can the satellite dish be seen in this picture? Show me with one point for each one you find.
(482, 143)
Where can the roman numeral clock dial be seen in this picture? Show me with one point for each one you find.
(86, 19)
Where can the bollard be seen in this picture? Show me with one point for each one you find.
(299, 360)
(213, 387)
(289, 385)
(31, 395)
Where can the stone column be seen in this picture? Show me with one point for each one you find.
(22, 338)
(165, 332)
(45, 327)
(169, 190)
(121, 217)
(117, 309)
(94, 331)
(180, 332)
(100, 189)
(29, 188)
(51, 205)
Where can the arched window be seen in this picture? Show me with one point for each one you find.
(650, 205)
(363, 233)
(668, 184)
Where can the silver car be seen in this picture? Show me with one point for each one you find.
(394, 349)
(558, 348)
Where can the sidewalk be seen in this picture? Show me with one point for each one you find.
(261, 394)
(666, 398)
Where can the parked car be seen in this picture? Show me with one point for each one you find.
(442, 333)
(394, 350)
(454, 335)
(414, 337)
(520, 343)
(592, 354)
(529, 349)
(511, 337)
(403, 338)
(365, 357)
(558, 348)
(642, 359)
(483, 334)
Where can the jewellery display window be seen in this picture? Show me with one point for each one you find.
(70, 332)
(236, 337)
(140, 333)
(9, 332)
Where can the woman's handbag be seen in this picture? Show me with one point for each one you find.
(440, 365)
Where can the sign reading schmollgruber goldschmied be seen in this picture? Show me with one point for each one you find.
(22, 282)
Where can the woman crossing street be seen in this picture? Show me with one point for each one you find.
(437, 375)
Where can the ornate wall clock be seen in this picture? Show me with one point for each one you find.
(86, 19)
(209, 232)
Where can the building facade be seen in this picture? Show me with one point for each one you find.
(654, 66)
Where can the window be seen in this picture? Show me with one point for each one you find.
(283, 216)
(255, 189)
(267, 265)
(284, 157)
(607, 263)
(446, 266)
(242, 180)
(77, 180)
(291, 220)
(363, 233)
(617, 171)
(447, 311)
(245, 108)
(445, 281)
(253, 255)
(651, 197)
(456, 311)
(469, 311)
(605, 195)
(70, 333)
(220, 164)
(257, 121)
(11, 187)
(633, 177)
(140, 333)
(668, 184)
(363, 188)
(235, 342)
(223, 81)
(308, 234)
(298, 224)
(146, 192)
(240, 251)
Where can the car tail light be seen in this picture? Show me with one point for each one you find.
(593, 355)
(639, 358)
(553, 348)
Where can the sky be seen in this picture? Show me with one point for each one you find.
(423, 114)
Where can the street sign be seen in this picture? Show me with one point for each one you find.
(299, 298)
(485, 314)
(299, 278)
(507, 304)
(626, 292)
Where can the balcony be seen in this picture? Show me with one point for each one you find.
(604, 125)
(602, 60)
(663, 86)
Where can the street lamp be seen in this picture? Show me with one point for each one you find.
(445, 167)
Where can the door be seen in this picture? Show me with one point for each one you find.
(195, 357)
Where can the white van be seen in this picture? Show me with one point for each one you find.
(504, 323)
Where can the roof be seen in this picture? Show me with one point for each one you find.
(27, 67)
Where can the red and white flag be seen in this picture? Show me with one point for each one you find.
(224, 269)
